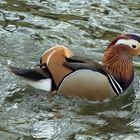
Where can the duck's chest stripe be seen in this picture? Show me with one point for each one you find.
(115, 85)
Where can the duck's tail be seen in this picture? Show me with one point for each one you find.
(35, 77)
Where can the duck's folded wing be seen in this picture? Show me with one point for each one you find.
(78, 62)
(77, 58)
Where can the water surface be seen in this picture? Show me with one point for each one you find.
(27, 29)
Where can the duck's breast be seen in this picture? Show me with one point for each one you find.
(87, 84)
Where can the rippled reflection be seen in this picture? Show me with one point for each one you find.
(28, 28)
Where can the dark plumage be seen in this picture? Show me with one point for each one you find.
(30, 74)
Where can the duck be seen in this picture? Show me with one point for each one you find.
(61, 72)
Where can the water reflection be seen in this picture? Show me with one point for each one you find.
(28, 28)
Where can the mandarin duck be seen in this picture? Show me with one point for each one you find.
(69, 75)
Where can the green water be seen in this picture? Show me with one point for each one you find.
(27, 29)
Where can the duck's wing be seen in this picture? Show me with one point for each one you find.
(78, 58)
(80, 62)
(54, 59)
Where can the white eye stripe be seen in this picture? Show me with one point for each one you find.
(129, 42)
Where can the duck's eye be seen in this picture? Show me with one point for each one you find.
(134, 46)
(129, 42)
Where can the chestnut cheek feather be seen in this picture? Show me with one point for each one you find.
(119, 64)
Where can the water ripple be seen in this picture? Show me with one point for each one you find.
(27, 29)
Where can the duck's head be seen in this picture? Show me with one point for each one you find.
(118, 57)
(128, 43)
(124, 47)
